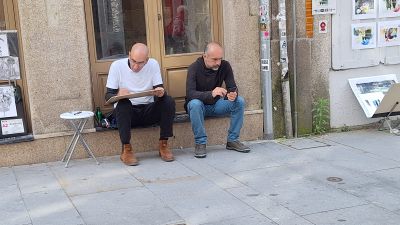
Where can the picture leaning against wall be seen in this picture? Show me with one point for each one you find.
(389, 8)
(364, 9)
(370, 91)
(388, 33)
(363, 35)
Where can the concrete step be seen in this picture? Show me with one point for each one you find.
(143, 139)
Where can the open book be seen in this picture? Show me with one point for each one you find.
(131, 95)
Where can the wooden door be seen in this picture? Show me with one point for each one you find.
(114, 25)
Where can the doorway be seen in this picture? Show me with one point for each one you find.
(176, 32)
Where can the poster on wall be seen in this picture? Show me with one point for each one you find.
(364, 9)
(370, 91)
(323, 7)
(9, 68)
(363, 35)
(7, 102)
(4, 45)
(388, 33)
(389, 8)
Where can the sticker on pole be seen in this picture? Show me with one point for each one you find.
(265, 65)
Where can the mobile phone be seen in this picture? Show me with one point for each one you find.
(232, 89)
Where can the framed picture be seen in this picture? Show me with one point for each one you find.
(7, 102)
(4, 45)
(323, 7)
(363, 35)
(388, 33)
(9, 68)
(370, 91)
(364, 9)
(389, 8)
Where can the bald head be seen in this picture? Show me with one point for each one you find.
(213, 47)
(138, 56)
(213, 54)
(140, 48)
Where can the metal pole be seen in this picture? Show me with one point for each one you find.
(295, 68)
(284, 62)
(265, 56)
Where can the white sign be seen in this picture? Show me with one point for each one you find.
(4, 45)
(323, 7)
(15, 126)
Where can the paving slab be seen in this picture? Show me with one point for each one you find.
(364, 214)
(269, 208)
(377, 142)
(35, 178)
(12, 207)
(304, 143)
(50, 208)
(199, 201)
(131, 206)
(248, 220)
(295, 191)
(86, 177)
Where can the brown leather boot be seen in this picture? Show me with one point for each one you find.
(127, 156)
(164, 152)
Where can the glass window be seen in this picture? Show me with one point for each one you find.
(187, 26)
(117, 25)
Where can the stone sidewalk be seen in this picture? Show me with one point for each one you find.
(350, 178)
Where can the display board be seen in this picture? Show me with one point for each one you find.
(12, 114)
(365, 33)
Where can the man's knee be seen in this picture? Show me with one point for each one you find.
(195, 105)
(240, 101)
(168, 103)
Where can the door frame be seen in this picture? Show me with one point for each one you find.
(155, 42)
(11, 16)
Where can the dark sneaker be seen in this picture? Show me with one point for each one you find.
(200, 151)
(237, 146)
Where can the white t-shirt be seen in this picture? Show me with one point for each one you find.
(121, 76)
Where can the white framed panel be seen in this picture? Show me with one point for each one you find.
(343, 56)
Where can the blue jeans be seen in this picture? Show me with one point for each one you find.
(198, 110)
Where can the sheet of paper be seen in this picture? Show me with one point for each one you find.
(14, 126)
(4, 45)
(132, 95)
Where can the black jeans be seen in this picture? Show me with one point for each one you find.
(162, 111)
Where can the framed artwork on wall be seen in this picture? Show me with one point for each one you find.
(389, 8)
(388, 33)
(364, 9)
(363, 35)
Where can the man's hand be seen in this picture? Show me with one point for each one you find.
(232, 96)
(123, 91)
(219, 91)
(159, 92)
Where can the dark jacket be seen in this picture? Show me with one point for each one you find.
(201, 81)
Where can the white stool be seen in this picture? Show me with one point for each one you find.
(78, 120)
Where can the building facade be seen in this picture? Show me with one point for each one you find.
(66, 48)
